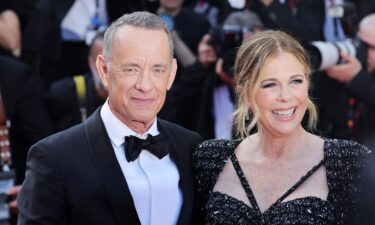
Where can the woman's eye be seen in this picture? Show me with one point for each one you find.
(268, 85)
(297, 81)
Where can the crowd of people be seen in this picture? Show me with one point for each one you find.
(284, 88)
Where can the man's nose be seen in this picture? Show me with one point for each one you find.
(144, 82)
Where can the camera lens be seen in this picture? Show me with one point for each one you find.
(326, 54)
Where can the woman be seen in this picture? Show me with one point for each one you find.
(281, 174)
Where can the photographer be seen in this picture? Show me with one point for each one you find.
(180, 20)
(204, 93)
(193, 91)
(303, 19)
(349, 95)
(29, 120)
(72, 99)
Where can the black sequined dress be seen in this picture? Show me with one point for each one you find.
(344, 161)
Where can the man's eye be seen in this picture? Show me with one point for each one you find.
(130, 70)
(158, 71)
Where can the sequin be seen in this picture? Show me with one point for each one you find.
(343, 161)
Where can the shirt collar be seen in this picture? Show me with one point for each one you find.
(117, 130)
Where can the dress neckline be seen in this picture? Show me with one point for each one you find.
(291, 201)
(249, 193)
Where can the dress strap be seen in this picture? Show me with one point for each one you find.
(294, 187)
(249, 192)
(244, 183)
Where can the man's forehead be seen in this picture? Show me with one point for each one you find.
(129, 29)
(367, 31)
(368, 36)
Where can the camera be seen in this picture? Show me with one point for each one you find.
(326, 54)
(226, 41)
(226, 38)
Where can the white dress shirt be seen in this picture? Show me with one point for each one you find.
(153, 182)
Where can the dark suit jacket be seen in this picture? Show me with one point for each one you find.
(24, 108)
(73, 177)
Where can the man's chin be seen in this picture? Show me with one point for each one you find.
(371, 68)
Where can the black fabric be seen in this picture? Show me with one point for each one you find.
(23, 104)
(333, 99)
(344, 161)
(249, 192)
(305, 23)
(157, 145)
(184, 21)
(43, 47)
(193, 94)
(73, 177)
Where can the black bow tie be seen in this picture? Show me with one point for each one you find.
(157, 145)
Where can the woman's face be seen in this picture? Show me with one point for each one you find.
(281, 94)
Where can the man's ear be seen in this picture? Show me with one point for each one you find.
(172, 74)
(102, 67)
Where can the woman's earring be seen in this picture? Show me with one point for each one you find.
(247, 117)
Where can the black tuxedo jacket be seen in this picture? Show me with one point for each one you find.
(73, 177)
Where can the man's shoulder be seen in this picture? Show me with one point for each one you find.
(66, 139)
(177, 128)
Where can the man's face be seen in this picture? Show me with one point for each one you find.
(371, 58)
(171, 4)
(367, 34)
(138, 74)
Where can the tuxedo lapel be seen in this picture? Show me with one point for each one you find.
(110, 172)
(179, 154)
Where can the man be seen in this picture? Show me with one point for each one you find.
(182, 22)
(72, 99)
(351, 98)
(204, 94)
(84, 176)
(367, 35)
(29, 120)
(24, 108)
(56, 39)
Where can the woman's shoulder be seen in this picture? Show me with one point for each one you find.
(347, 163)
(214, 150)
(345, 150)
(346, 160)
(209, 159)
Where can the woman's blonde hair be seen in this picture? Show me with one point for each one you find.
(250, 60)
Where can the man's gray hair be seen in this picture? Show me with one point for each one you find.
(144, 20)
